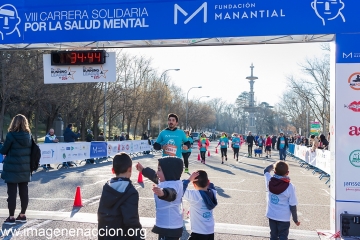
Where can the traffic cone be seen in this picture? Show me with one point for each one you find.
(78, 200)
(208, 153)
(216, 151)
(198, 156)
(140, 178)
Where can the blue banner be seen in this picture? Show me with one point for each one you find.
(40, 21)
(348, 48)
(98, 149)
(291, 148)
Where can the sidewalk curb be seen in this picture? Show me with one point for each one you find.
(222, 228)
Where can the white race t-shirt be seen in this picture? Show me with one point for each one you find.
(201, 218)
(278, 206)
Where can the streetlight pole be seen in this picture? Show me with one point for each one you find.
(202, 97)
(307, 122)
(148, 127)
(163, 74)
(187, 102)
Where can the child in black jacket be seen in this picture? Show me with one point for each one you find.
(118, 209)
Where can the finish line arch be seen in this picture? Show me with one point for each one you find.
(41, 24)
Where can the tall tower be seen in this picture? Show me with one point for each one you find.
(251, 109)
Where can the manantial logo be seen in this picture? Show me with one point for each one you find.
(177, 9)
(9, 20)
(328, 10)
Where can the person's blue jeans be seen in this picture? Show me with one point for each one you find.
(282, 153)
(279, 230)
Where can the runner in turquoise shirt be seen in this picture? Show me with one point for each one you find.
(172, 140)
(235, 144)
(186, 153)
(224, 142)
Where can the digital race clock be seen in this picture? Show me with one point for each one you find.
(78, 57)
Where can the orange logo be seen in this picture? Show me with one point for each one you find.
(354, 81)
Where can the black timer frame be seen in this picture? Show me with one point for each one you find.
(59, 58)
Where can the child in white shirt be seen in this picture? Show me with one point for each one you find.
(202, 202)
(281, 200)
(168, 195)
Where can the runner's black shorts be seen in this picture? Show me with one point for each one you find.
(268, 148)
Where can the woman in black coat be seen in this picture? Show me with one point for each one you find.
(16, 168)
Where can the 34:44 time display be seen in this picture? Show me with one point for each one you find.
(78, 57)
(89, 57)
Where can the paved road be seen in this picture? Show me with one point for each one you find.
(240, 186)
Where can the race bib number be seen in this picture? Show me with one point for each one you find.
(170, 150)
(222, 143)
(203, 145)
(282, 142)
(237, 144)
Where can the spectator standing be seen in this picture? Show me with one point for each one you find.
(281, 200)
(146, 137)
(70, 136)
(324, 144)
(127, 137)
(101, 137)
(89, 136)
(50, 138)
(273, 141)
(119, 203)
(122, 137)
(314, 143)
(250, 142)
(116, 137)
(16, 168)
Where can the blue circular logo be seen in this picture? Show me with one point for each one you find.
(274, 199)
(207, 215)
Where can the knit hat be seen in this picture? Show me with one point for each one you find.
(172, 168)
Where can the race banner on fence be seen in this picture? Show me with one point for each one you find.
(319, 159)
(54, 153)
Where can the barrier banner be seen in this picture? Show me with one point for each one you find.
(64, 154)
(54, 153)
(126, 146)
(319, 159)
(323, 160)
(98, 149)
(291, 148)
(49, 153)
(113, 148)
(136, 146)
(133, 146)
(144, 145)
(311, 158)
